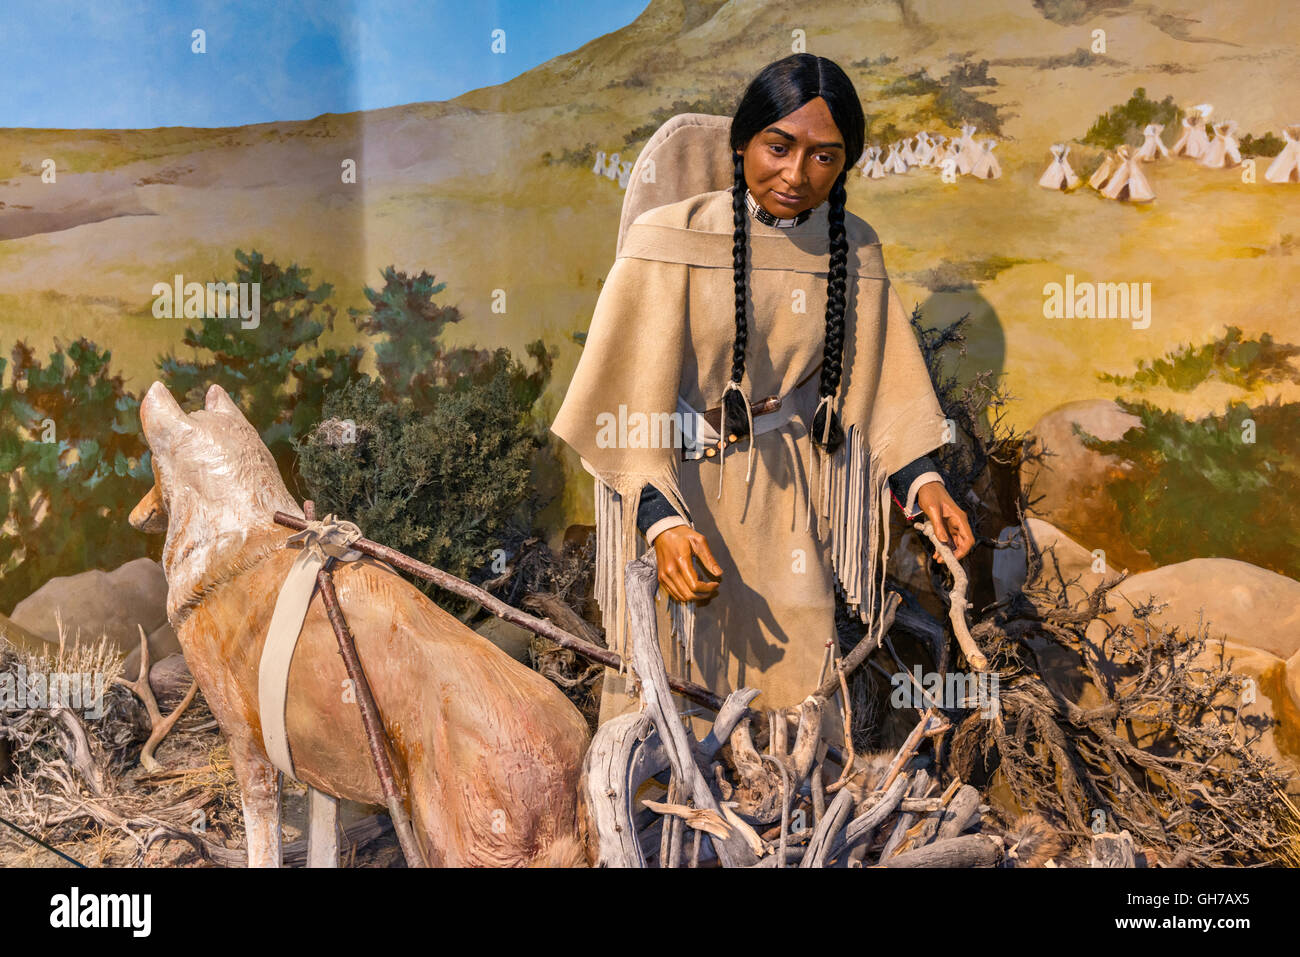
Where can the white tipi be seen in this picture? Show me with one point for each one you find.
(921, 155)
(951, 158)
(1059, 175)
(1103, 173)
(1223, 150)
(1194, 142)
(986, 167)
(874, 168)
(1152, 146)
(1285, 167)
(970, 151)
(937, 150)
(893, 162)
(1128, 181)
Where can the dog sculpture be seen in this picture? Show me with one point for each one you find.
(487, 752)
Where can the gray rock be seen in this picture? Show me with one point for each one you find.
(162, 644)
(98, 602)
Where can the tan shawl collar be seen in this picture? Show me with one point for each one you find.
(663, 327)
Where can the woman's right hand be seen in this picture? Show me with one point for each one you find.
(675, 551)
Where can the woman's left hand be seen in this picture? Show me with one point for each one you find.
(946, 517)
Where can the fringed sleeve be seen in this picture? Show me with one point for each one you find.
(904, 422)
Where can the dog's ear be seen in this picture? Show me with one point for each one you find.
(218, 400)
(163, 420)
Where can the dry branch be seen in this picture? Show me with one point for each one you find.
(969, 850)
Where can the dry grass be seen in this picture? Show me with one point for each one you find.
(107, 811)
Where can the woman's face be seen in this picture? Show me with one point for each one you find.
(791, 165)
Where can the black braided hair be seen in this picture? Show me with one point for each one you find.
(734, 400)
(836, 306)
(779, 89)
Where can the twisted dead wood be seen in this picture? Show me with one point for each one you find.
(647, 661)
(957, 602)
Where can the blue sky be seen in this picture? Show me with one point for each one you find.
(125, 64)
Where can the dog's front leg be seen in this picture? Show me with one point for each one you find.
(259, 787)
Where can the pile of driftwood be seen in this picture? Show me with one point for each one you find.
(1162, 773)
(1166, 752)
(798, 802)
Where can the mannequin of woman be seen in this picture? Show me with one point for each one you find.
(787, 175)
(827, 419)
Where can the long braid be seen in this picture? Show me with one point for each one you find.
(836, 306)
(733, 400)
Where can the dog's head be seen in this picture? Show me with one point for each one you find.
(214, 478)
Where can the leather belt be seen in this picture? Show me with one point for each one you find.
(762, 407)
(700, 429)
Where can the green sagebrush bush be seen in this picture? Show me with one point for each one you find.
(435, 455)
(1231, 357)
(444, 485)
(279, 389)
(1125, 123)
(72, 465)
(1222, 486)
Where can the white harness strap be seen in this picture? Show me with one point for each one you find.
(320, 540)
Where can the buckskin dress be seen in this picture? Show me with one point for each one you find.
(797, 525)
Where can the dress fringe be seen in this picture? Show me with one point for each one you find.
(855, 499)
(616, 545)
